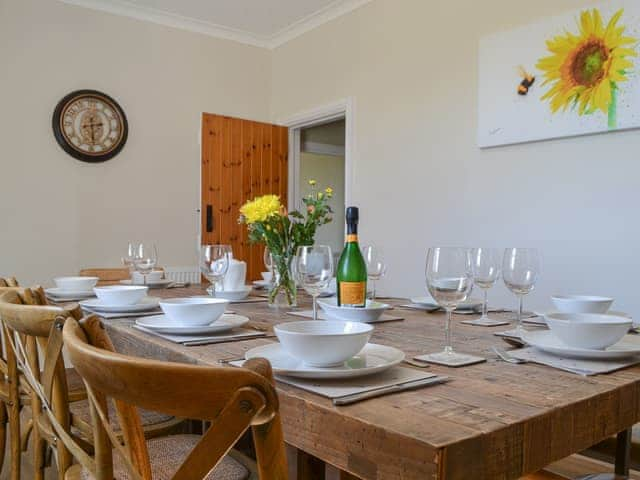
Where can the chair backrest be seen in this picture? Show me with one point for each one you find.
(8, 282)
(31, 326)
(232, 399)
(109, 276)
(106, 276)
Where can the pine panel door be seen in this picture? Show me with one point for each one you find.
(241, 159)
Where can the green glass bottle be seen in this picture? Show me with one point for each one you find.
(351, 276)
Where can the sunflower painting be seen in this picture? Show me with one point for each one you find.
(571, 75)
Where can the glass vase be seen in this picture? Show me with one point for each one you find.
(283, 291)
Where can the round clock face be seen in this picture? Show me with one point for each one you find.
(90, 126)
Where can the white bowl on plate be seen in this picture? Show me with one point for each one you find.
(266, 276)
(76, 284)
(121, 294)
(234, 295)
(323, 344)
(581, 303)
(593, 331)
(194, 311)
(370, 313)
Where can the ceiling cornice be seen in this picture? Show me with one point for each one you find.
(169, 19)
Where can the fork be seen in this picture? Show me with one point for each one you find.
(504, 356)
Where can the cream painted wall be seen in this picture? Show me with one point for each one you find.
(59, 214)
(327, 171)
(420, 180)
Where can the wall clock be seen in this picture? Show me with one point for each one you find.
(90, 126)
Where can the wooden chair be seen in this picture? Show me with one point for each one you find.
(29, 322)
(109, 276)
(12, 398)
(106, 276)
(232, 399)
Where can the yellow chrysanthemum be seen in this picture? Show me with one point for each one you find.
(584, 69)
(261, 208)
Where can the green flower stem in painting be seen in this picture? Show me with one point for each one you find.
(613, 107)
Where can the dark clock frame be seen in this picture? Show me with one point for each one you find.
(62, 141)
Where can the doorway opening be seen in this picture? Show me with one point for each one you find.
(321, 148)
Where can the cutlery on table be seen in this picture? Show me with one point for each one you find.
(505, 357)
(378, 392)
(416, 363)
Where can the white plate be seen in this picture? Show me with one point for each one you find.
(546, 341)
(469, 304)
(151, 284)
(60, 294)
(162, 324)
(147, 303)
(373, 358)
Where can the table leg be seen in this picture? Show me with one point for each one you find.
(333, 473)
(622, 461)
(303, 466)
(623, 452)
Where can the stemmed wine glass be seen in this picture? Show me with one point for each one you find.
(128, 259)
(145, 259)
(214, 263)
(376, 266)
(485, 265)
(520, 271)
(449, 281)
(314, 267)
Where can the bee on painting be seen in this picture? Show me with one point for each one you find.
(527, 81)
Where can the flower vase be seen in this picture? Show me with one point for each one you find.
(283, 293)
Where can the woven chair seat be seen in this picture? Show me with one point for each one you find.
(80, 411)
(167, 454)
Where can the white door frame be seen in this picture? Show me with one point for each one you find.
(324, 114)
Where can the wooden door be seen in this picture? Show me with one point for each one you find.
(241, 160)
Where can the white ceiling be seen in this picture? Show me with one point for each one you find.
(264, 23)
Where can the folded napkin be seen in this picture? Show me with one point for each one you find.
(577, 366)
(251, 299)
(108, 315)
(351, 390)
(192, 340)
(323, 316)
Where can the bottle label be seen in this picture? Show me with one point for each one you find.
(352, 293)
(352, 237)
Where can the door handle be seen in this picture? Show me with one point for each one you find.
(209, 218)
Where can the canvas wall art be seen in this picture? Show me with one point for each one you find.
(574, 74)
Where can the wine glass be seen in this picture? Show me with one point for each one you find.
(520, 271)
(314, 267)
(129, 258)
(214, 263)
(449, 281)
(376, 266)
(485, 265)
(145, 259)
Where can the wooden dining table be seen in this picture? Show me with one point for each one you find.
(492, 420)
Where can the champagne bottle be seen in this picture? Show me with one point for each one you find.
(351, 276)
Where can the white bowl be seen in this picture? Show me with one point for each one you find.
(234, 295)
(370, 313)
(323, 343)
(194, 311)
(593, 331)
(117, 295)
(266, 276)
(76, 284)
(581, 303)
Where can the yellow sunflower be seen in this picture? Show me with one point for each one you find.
(584, 69)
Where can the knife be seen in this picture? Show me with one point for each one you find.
(378, 392)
